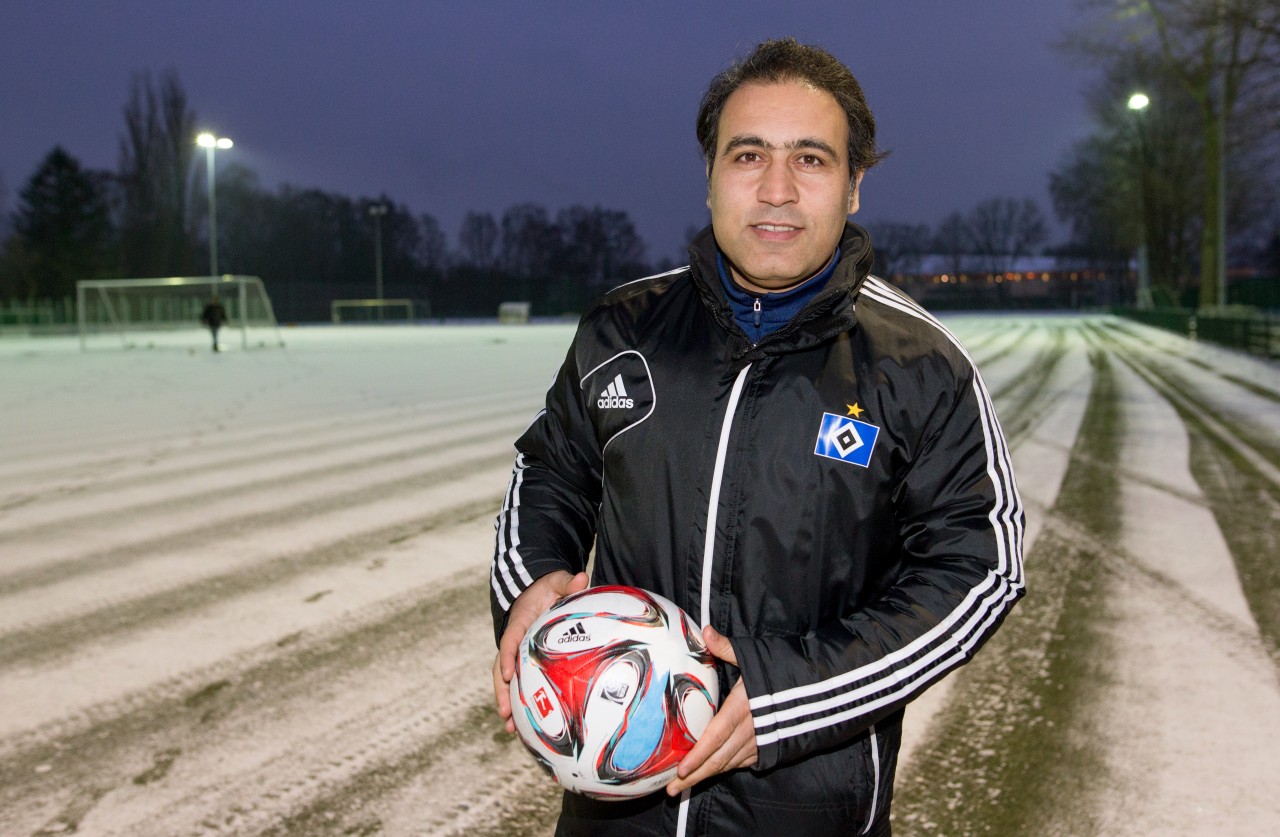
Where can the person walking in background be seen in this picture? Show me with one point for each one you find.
(213, 316)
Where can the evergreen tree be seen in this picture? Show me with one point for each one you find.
(63, 226)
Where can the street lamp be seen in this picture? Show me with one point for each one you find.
(1138, 103)
(209, 142)
(377, 211)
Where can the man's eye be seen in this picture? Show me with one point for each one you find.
(749, 157)
(810, 160)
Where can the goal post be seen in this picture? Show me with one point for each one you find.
(370, 310)
(127, 307)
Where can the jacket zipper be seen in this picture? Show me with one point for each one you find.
(713, 505)
(709, 543)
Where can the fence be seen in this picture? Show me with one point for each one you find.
(38, 312)
(1250, 331)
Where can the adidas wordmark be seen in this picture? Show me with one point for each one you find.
(614, 396)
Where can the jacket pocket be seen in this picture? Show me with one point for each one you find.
(830, 792)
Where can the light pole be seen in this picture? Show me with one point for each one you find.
(209, 143)
(377, 211)
(1138, 103)
(1220, 222)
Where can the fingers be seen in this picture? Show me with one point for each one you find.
(576, 584)
(502, 694)
(528, 606)
(536, 599)
(506, 663)
(719, 645)
(728, 742)
(501, 691)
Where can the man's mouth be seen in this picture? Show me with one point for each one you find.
(776, 227)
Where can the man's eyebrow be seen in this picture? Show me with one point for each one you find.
(751, 141)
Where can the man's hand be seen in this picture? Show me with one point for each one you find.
(536, 600)
(729, 741)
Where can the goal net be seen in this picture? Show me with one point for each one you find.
(371, 310)
(167, 311)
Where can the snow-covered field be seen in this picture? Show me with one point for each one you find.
(245, 592)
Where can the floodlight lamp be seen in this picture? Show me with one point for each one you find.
(1138, 101)
(206, 140)
(223, 142)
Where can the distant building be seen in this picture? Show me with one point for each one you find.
(968, 281)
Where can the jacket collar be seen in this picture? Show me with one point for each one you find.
(829, 313)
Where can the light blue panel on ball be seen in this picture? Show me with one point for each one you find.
(644, 728)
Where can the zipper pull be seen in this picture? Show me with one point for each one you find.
(756, 308)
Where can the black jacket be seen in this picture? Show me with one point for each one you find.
(838, 500)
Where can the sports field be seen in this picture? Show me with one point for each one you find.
(246, 593)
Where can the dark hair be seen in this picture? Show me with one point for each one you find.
(782, 60)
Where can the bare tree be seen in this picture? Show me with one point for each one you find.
(954, 241)
(899, 247)
(1004, 230)
(5, 221)
(156, 151)
(478, 239)
(601, 244)
(433, 246)
(531, 241)
(1223, 53)
(1136, 180)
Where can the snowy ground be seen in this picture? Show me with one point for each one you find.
(245, 593)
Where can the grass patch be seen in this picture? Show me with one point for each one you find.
(1016, 750)
(1247, 509)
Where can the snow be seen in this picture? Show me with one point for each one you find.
(171, 517)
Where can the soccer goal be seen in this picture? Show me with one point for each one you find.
(159, 311)
(371, 310)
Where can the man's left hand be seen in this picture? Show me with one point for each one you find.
(729, 741)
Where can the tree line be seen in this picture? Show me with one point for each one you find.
(1143, 181)
(149, 218)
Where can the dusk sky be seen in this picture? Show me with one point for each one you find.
(450, 107)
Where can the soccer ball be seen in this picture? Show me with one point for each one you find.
(613, 686)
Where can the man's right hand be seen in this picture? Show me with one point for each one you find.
(536, 600)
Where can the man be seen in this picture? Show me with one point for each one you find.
(214, 316)
(805, 461)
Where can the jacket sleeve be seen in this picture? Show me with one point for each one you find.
(958, 523)
(548, 516)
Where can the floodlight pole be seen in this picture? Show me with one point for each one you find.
(1220, 222)
(1138, 103)
(209, 143)
(377, 211)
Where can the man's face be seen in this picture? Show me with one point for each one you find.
(779, 186)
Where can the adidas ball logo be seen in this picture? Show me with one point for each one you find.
(614, 396)
(575, 634)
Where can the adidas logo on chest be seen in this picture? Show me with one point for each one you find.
(615, 396)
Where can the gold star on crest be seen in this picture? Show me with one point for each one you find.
(855, 410)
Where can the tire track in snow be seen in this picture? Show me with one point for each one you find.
(52, 634)
(204, 497)
(249, 515)
(248, 703)
(204, 471)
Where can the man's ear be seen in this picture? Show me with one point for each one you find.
(708, 170)
(853, 193)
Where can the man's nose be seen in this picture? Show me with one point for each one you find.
(778, 185)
